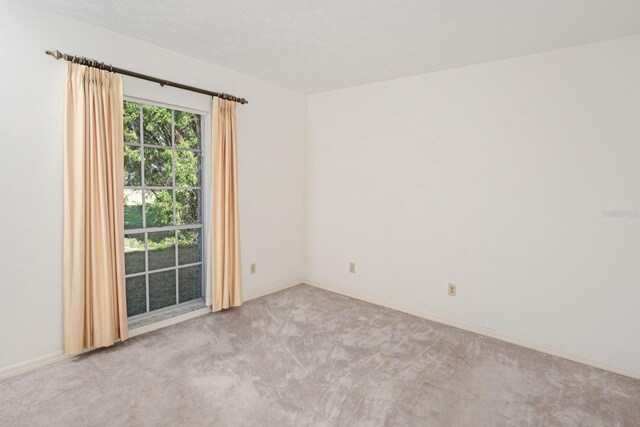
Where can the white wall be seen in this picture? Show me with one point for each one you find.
(271, 163)
(493, 177)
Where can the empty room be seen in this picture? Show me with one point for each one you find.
(328, 213)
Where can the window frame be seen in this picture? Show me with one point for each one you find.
(204, 201)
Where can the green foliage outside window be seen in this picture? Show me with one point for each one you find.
(160, 161)
(131, 121)
(161, 166)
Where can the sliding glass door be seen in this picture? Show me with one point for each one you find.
(162, 207)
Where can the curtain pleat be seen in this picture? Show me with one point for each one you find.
(227, 277)
(95, 313)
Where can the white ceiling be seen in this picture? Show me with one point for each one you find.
(314, 46)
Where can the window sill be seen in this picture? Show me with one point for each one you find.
(146, 319)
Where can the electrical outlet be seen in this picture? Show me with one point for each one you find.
(352, 267)
(252, 268)
(452, 289)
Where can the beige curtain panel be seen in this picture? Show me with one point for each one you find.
(95, 313)
(227, 278)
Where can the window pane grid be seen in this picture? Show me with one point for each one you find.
(160, 270)
(161, 188)
(175, 219)
(173, 174)
(167, 228)
(175, 249)
(172, 235)
(146, 268)
(138, 145)
(144, 215)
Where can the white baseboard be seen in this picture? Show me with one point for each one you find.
(29, 365)
(487, 332)
(58, 356)
(272, 290)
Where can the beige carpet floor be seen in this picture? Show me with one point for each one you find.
(307, 357)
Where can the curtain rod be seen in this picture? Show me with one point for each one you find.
(102, 66)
